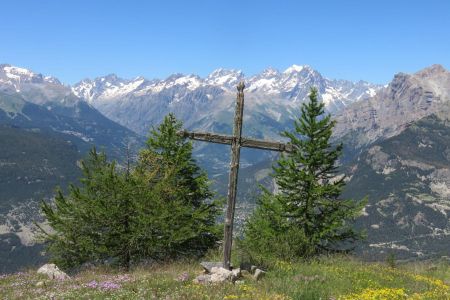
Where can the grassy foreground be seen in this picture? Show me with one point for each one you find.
(326, 278)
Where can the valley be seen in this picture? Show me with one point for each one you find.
(396, 141)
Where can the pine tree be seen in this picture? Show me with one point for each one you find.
(307, 215)
(167, 165)
(91, 222)
(161, 208)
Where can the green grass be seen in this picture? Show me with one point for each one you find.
(324, 278)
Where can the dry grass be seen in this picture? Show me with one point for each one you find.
(325, 278)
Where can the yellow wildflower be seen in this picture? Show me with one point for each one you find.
(284, 265)
(377, 294)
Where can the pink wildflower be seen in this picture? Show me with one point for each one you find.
(108, 285)
(183, 277)
(93, 284)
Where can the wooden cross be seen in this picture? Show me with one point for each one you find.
(236, 141)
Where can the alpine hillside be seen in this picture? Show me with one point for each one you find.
(44, 131)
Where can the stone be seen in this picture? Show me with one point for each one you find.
(208, 265)
(258, 274)
(219, 278)
(236, 272)
(40, 283)
(53, 272)
(218, 275)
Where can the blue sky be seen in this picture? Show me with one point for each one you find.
(368, 40)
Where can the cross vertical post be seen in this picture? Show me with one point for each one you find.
(233, 176)
(236, 141)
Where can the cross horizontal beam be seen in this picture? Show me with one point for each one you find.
(245, 142)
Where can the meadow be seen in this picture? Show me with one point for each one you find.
(330, 278)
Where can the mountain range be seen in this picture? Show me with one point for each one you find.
(394, 138)
(207, 104)
(201, 102)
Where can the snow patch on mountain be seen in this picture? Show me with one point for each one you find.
(79, 135)
(15, 72)
(223, 77)
(294, 69)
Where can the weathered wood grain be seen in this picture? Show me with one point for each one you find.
(236, 141)
(245, 142)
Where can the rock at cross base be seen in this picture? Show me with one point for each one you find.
(53, 272)
(221, 275)
(258, 274)
(208, 265)
(236, 272)
(218, 275)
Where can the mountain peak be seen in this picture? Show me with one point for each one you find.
(270, 72)
(14, 76)
(431, 71)
(111, 76)
(407, 98)
(51, 79)
(13, 72)
(224, 72)
(16, 70)
(296, 69)
(225, 77)
(139, 78)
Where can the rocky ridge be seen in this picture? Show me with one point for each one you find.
(408, 98)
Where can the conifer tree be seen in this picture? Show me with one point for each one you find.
(168, 166)
(161, 208)
(91, 223)
(306, 216)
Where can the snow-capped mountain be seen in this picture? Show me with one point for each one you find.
(293, 84)
(14, 76)
(36, 88)
(226, 78)
(140, 103)
(32, 100)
